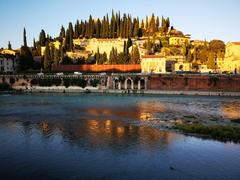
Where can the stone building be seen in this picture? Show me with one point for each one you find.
(231, 59)
(8, 63)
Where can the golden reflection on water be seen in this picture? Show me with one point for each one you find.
(231, 110)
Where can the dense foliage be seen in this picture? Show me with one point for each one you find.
(224, 133)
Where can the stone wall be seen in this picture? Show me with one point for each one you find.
(194, 82)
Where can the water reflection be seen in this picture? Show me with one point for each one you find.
(100, 133)
(231, 110)
(111, 137)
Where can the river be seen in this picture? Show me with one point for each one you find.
(94, 136)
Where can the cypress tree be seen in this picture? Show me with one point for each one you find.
(70, 29)
(42, 38)
(97, 56)
(104, 58)
(107, 28)
(152, 26)
(125, 26)
(34, 43)
(90, 26)
(24, 38)
(135, 56)
(46, 62)
(56, 56)
(98, 28)
(76, 30)
(62, 33)
(136, 28)
(157, 23)
(103, 31)
(9, 45)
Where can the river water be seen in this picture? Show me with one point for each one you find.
(90, 136)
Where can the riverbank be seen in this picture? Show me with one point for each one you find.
(76, 89)
(218, 132)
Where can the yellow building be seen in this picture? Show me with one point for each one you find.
(103, 45)
(232, 58)
(181, 63)
(179, 40)
(8, 51)
(78, 54)
(164, 64)
(153, 64)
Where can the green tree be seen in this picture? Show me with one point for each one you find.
(135, 55)
(62, 33)
(56, 56)
(70, 29)
(9, 45)
(47, 59)
(42, 38)
(24, 38)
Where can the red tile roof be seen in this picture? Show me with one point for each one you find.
(152, 56)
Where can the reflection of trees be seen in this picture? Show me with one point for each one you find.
(230, 110)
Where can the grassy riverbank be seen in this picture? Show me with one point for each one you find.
(218, 132)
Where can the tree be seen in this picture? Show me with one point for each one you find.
(152, 26)
(56, 56)
(129, 42)
(47, 60)
(9, 45)
(113, 56)
(70, 29)
(24, 38)
(97, 56)
(42, 38)
(136, 28)
(62, 33)
(135, 55)
(98, 28)
(76, 28)
(26, 59)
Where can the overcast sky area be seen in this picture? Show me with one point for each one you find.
(203, 19)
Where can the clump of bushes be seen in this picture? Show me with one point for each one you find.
(12, 80)
(219, 132)
(81, 82)
(94, 82)
(5, 87)
(46, 82)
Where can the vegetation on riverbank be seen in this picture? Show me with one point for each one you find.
(218, 132)
(5, 87)
(48, 82)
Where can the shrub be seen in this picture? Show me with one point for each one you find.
(224, 133)
(12, 80)
(5, 87)
(94, 82)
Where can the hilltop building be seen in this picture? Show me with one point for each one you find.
(164, 64)
(103, 45)
(231, 62)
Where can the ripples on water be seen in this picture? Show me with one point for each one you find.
(111, 137)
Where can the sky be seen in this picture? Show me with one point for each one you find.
(203, 19)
